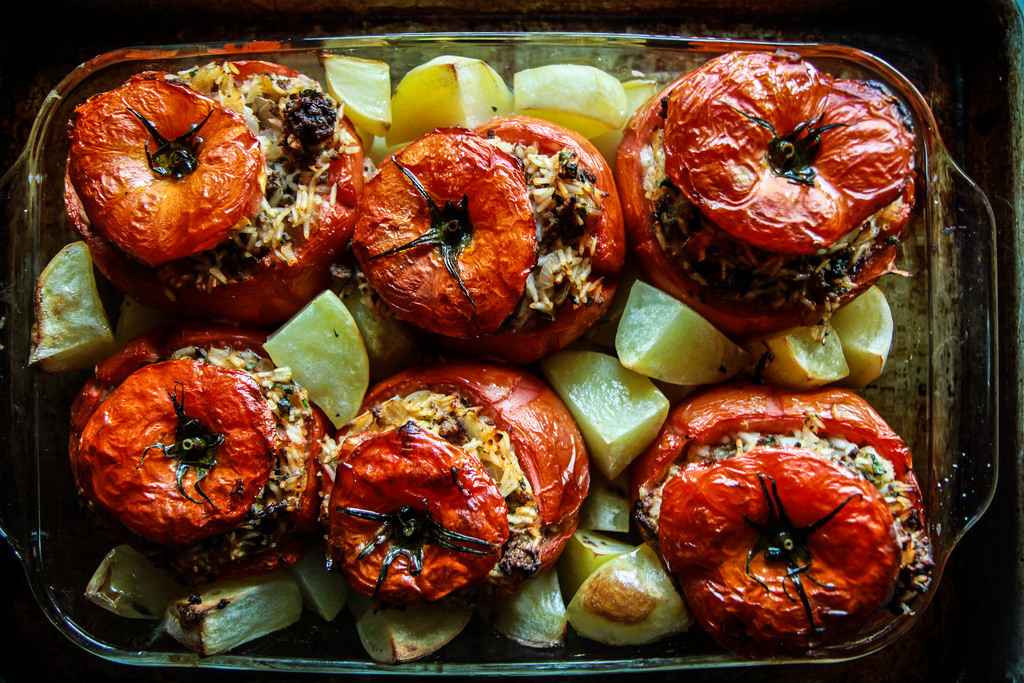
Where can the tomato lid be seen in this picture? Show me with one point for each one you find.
(778, 549)
(179, 451)
(782, 156)
(447, 235)
(414, 517)
(162, 171)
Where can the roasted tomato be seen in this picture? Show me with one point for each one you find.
(192, 439)
(453, 476)
(237, 216)
(515, 278)
(789, 520)
(765, 193)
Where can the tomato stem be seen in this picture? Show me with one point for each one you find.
(783, 542)
(175, 158)
(791, 156)
(407, 530)
(194, 446)
(450, 231)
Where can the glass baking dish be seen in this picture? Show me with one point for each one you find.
(939, 389)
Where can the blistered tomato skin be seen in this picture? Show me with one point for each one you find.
(861, 167)
(274, 291)
(158, 218)
(128, 401)
(731, 408)
(545, 439)
(720, 157)
(715, 514)
(606, 230)
(410, 467)
(494, 255)
(706, 537)
(142, 492)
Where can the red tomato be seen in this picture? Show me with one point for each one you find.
(732, 146)
(713, 516)
(127, 408)
(821, 572)
(158, 218)
(543, 435)
(541, 337)
(411, 472)
(493, 237)
(416, 283)
(717, 154)
(274, 290)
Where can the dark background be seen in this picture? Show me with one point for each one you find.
(972, 631)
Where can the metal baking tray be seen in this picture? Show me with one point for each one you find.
(939, 389)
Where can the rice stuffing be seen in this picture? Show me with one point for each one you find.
(739, 272)
(451, 418)
(268, 520)
(564, 197)
(300, 129)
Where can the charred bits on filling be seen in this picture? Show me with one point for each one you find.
(309, 119)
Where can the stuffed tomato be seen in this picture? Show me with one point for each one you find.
(765, 193)
(454, 476)
(225, 190)
(195, 441)
(789, 520)
(506, 241)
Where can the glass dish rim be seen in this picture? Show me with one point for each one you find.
(932, 144)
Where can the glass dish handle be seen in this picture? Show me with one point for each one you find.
(967, 476)
(17, 467)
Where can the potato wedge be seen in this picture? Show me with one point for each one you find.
(127, 584)
(583, 554)
(135, 319)
(71, 330)
(865, 330)
(605, 509)
(637, 92)
(322, 591)
(582, 98)
(364, 87)
(534, 615)
(390, 344)
(607, 144)
(226, 614)
(392, 635)
(446, 91)
(800, 357)
(663, 338)
(629, 600)
(618, 411)
(322, 346)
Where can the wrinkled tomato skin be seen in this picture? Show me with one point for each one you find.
(703, 536)
(160, 219)
(606, 229)
(705, 539)
(411, 467)
(717, 156)
(545, 438)
(451, 164)
(711, 414)
(273, 292)
(155, 347)
(143, 493)
(735, 318)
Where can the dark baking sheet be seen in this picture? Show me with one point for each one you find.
(973, 629)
